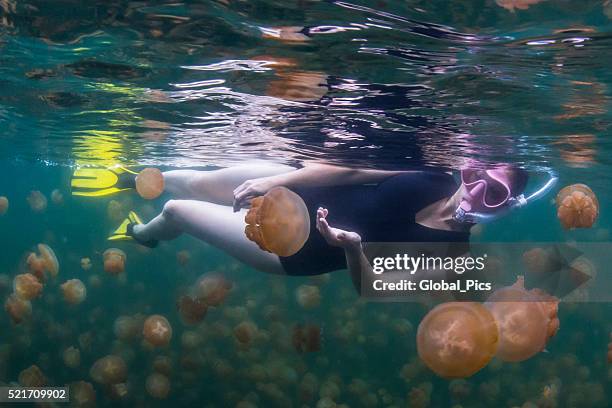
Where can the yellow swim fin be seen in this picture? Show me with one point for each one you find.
(123, 232)
(98, 182)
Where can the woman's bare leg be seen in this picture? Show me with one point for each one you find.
(215, 224)
(217, 186)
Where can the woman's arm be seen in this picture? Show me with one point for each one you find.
(313, 175)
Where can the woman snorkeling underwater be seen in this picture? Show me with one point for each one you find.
(346, 206)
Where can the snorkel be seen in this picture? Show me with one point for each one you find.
(476, 200)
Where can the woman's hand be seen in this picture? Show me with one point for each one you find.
(335, 236)
(244, 193)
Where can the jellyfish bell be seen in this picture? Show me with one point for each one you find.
(526, 320)
(32, 377)
(212, 289)
(27, 286)
(50, 260)
(278, 222)
(577, 206)
(183, 257)
(308, 296)
(114, 261)
(192, 309)
(150, 183)
(57, 197)
(82, 394)
(126, 328)
(457, 339)
(72, 357)
(157, 331)
(37, 201)
(74, 291)
(4, 205)
(306, 338)
(17, 308)
(109, 369)
(245, 332)
(85, 264)
(158, 386)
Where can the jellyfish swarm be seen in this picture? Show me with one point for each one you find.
(4, 205)
(157, 330)
(114, 261)
(212, 289)
(17, 308)
(158, 385)
(32, 377)
(37, 201)
(191, 309)
(457, 339)
(109, 370)
(306, 338)
(577, 206)
(526, 320)
(74, 291)
(27, 286)
(278, 222)
(150, 183)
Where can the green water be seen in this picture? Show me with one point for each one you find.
(196, 84)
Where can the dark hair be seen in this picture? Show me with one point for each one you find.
(518, 180)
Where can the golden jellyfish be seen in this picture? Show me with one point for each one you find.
(577, 206)
(57, 197)
(32, 377)
(50, 260)
(74, 291)
(610, 350)
(308, 296)
(192, 309)
(36, 266)
(82, 394)
(541, 260)
(108, 370)
(37, 201)
(114, 261)
(72, 357)
(85, 264)
(306, 338)
(526, 319)
(457, 339)
(212, 289)
(126, 328)
(278, 222)
(245, 332)
(118, 391)
(4, 205)
(17, 308)
(150, 183)
(27, 286)
(158, 386)
(163, 365)
(157, 331)
(183, 257)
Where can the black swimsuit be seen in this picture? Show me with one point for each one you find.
(378, 213)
